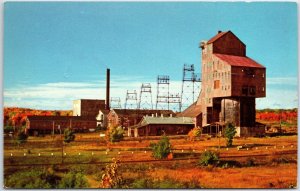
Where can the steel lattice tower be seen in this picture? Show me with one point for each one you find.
(162, 96)
(115, 103)
(145, 101)
(175, 102)
(190, 86)
(131, 100)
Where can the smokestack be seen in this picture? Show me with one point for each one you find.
(107, 88)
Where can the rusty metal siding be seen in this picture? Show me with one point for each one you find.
(229, 44)
(240, 80)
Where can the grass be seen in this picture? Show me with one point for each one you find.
(264, 172)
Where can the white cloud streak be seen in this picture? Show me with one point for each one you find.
(61, 94)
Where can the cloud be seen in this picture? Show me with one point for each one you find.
(61, 94)
(282, 81)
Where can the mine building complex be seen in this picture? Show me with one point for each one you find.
(231, 82)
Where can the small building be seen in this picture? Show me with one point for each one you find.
(157, 126)
(102, 118)
(130, 117)
(87, 107)
(56, 124)
(193, 111)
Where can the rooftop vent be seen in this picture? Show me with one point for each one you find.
(219, 32)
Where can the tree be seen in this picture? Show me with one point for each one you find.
(69, 135)
(161, 149)
(115, 134)
(230, 132)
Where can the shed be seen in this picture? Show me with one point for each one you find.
(156, 126)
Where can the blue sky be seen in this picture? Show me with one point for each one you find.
(57, 52)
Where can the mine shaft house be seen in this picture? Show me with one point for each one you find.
(230, 83)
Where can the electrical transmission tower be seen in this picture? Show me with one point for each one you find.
(115, 103)
(175, 102)
(131, 100)
(162, 96)
(190, 86)
(145, 101)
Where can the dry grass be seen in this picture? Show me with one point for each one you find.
(281, 176)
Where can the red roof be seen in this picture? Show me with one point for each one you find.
(239, 61)
(219, 35)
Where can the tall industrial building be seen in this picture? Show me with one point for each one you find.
(87, 107)
(230, 83)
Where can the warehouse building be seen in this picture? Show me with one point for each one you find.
(157, 126)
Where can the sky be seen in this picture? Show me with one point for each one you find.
(56, 52)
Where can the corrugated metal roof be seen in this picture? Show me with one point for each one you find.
(239, 61)
(166, 120)
(142, 112)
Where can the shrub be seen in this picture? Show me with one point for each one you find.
(111, 177)
(8, 129)
(21, 137)
(250, 162)
(73, 180)
(209, 158)
(69, 135)
(30, 179)
(115, 134)
(161, 149)
(195, 132)
(229, 134)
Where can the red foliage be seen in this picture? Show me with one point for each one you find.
(284, 115)
(14, 116)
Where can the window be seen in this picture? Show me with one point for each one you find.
(252, 90)
(216, 84)
(245, 90)
(249, 71)
(263, 89)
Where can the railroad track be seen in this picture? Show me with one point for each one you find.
(277, 153)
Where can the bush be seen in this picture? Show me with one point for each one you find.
(115, 134)
(111, 177)
(73, 180)
(69, 135)
(209, 158)
(229, 134)
(30, 179)
(21, 137)
(195, 132)
(250, 162)
(8, 129)
(162, 149)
